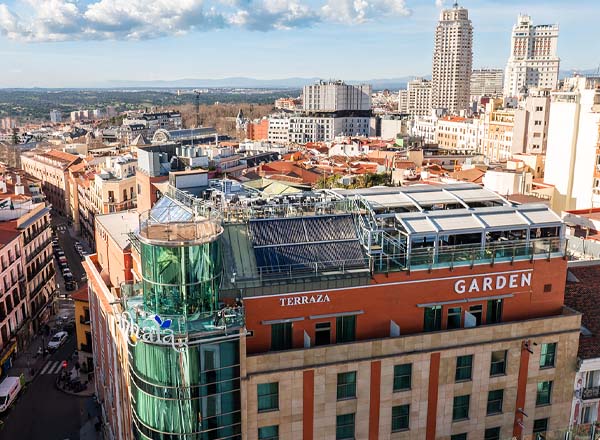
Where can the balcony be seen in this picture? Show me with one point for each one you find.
(42, 247)
(590, 393)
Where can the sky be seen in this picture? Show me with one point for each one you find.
(87, 43)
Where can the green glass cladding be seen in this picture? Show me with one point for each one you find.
(194, 394)
(181, 281)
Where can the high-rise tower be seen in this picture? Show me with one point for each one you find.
(533, 60)
(452, 60)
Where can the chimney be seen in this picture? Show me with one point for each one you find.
(19, 188)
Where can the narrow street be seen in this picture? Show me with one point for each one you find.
(42, 411)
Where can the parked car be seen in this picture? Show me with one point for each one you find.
(62, 259)
(57, 340)
(59, 253)
(66, 272)
(70, 285)
(68, 277)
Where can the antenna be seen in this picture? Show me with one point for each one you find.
(197, 92)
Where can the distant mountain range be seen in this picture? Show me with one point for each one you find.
(281, 83)
(252, 83)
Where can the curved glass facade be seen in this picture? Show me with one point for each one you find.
(193, 394)
(189, 392)
(180, 281)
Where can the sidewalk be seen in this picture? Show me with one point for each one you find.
(66, 386)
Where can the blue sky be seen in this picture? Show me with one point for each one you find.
(78, 43)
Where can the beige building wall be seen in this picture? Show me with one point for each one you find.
(287, 368)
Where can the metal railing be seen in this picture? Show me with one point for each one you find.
(590, 393)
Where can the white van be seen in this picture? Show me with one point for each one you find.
(9, 388)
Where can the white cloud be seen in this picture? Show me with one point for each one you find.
(440, 3)
(360, 11)
(62, 20)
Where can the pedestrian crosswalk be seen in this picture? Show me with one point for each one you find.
(51, 367)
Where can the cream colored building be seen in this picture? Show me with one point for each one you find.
(418, 97)
(533, 60)
(452, 60)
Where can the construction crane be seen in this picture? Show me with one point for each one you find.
(197, 92)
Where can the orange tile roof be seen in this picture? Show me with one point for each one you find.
(81, 294)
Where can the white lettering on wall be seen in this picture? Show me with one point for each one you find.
(304, 299)
(489, 283)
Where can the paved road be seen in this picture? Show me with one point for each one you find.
(67, 245)
(44, 412)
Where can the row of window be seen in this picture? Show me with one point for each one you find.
(282, 336)
(345, 427)
(268, 393)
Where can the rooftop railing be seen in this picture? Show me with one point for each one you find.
(224, 320)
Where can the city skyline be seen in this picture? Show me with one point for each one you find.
(258, 43)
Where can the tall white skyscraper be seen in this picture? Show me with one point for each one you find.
(452, 60)
(533, 60)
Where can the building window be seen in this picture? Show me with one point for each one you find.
(323, 333)
(268, 433)
(494, 311)
(462, 436)
(281, 336)
(268, 396)
(494, 403)
(548, 355)
(460, 409)
(402, 377)
(540, 426)
(547, 288)
(498, 365)
(433, 319)
(346, 385)
(344, 426)
(454, 314)
(477, 312)
(400, 417)
(464, 367)
(492, 434)
(345, 328)
(544, 393)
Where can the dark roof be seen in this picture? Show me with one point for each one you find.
(583, 295)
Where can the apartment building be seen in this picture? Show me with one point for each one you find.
(151, 122)
(533, 61)
(419, 323)
(534, 114)
(27, 274)
(418, 97)
(452, 60)
(583, 294)
(459, 135)
(486, 82)
(336, 96)
(113, 188)
(83, 331)
(573, 148)
(51, 168)
(13, 300)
